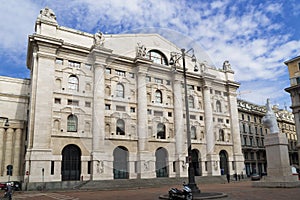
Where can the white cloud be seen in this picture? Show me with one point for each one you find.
(247, 34)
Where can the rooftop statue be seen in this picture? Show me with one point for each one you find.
(99, 39)
(269, 120)
(141, 50)
(47, 14)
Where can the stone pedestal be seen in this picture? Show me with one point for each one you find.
(279, 170)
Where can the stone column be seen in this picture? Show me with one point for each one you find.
(2, 152)
(212, 157)
(17, 152)
(235, 132)
(8, 156)
(179, 124)
(99, 153)
(145, 170)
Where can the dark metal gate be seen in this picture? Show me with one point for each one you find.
(71, 163)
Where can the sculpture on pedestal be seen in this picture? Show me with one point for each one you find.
(269, 120)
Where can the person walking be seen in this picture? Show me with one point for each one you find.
(228, 177)
(8, 191)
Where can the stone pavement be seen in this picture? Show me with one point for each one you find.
(235, 190)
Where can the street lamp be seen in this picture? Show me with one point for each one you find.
(174, 58)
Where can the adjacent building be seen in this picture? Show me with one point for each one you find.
(253, 133)
(294, 90)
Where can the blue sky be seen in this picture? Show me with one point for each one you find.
(255, 36)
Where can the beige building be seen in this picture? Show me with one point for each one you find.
(294, 90)
(14, 98)
(253, 134)
(111, 107)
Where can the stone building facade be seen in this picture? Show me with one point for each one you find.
(294, 90)
(14, 99)
(253, 134)
(111, 107)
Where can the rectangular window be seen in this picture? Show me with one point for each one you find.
(135, 166)
(149, 112)
(168, 82)
(298, 66)
(198, 88)
(88, 104)
(120, 108)
(148, 79)
(88, 66)
(190, 87)
(192, 117)
(227, 121)
(174, 166)
(59, 61)
(107, 70)
(205, 165)
(132, 109)
(201, 118)
(158, 80)
(89, 167)
(225, 94)
(220, 120)
(74, 64)
(57, 100)
(233, 165)
(217, 92)
(107, 106)
(52, 168)
(245, 140)
(131, 75)
(120, 73)
(73, 102)
(158, 113)
(169, 114)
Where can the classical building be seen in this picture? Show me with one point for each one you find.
(253, 133)
(294, 90)
(112, 107)
(14, 98)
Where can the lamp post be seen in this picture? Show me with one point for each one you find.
(191, 172)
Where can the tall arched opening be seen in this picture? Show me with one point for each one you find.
(71, 163)
(161, 162)
(224, 162)
(196, 162)
(120, 164)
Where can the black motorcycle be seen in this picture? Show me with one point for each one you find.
(185, 193)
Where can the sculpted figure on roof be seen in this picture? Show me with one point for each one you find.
(47, 14)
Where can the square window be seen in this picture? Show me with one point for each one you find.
(59, 61)
(107, 70)
(107, 106)
(131, 75)
(73, 102)
(88, 66)
(120, 108)
(132, 109)
(158, 80)
(120, 73)
(169, 114)
(148, 79)
(88, 104)
(74, 64)
(57, 100)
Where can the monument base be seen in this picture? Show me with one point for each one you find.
(279, 171)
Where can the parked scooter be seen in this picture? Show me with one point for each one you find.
(185, 193)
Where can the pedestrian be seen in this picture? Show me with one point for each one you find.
(8, 191)
(228, 177)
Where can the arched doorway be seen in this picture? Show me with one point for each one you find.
(196, 162)
(71, 163)
(224, 162)
(121, 163)
(161, 162)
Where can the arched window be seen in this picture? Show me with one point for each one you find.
(120, 90)
(218, 106)
(161, 131)
(158, 96)
(120, 127)
(191, 102)
(157, 57)
(72, 123)
(193, 133)
(73, 83)
(221, 135)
